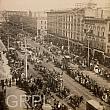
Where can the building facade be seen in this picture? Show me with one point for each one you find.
(41, 22)
(6, 14)
(41, 26)
(99, 38)
(73, 25)
(66, 24)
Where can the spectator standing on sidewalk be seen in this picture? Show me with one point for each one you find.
(10, 82)
(2, 84)
(6, 82)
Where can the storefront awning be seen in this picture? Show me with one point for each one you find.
(2, 46)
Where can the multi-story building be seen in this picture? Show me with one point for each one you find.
(41, 18)
(99, 38)
(42, 26)
(7, 14)
(66, 24)
(73, 25)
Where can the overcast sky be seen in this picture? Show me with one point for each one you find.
(37, 5)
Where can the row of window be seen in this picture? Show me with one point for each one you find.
(97, 30)
(44, 22)
(42, 27)
(64, 18)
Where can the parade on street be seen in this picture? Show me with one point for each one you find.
(55, 59)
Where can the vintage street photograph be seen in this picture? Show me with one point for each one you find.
(54, 54)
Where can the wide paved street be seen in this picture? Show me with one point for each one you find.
(100, 80)
(69, 82)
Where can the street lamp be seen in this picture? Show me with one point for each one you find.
(26, 57)
(89, 34)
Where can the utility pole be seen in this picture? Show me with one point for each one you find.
(8, 42)
(88, 38)
(68, 45)
(25, 57)
(88, 50)
(25, 40)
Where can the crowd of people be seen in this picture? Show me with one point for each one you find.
(49, 83)
(99, 91)
(2, 95)
(92, 85)
(82, 61)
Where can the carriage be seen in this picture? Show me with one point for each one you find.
(74, 100)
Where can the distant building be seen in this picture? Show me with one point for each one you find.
(30, 14)
(7, 14)
(41, 26)
(20, 13)
(2, 19)
(41, 18)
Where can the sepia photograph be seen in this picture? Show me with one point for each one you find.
(54, 54)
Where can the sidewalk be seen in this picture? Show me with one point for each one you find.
(12, 93)
(101, 81)
(15, 99)
(5, 66)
